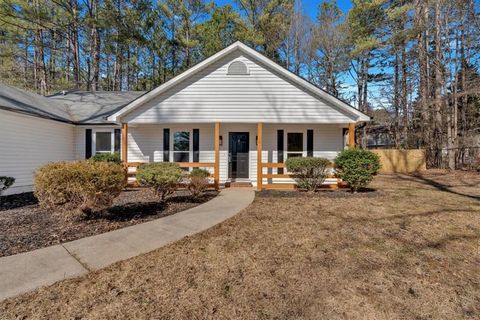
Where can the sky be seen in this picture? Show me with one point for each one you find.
(310, 6)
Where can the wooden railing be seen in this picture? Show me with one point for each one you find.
(132, 174)
(289, 185)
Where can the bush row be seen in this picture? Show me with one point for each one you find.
(90, 186)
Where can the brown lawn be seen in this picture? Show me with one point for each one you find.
(409, 250)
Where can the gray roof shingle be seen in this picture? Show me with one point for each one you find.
(81, 107)
(18, 100)
(94, 107)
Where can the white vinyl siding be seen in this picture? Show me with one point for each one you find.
(28, 142)
(145, 142)
(260, 96)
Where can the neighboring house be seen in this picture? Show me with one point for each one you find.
(220, 114)
(379, 136)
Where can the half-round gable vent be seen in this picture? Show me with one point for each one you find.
(237, 68)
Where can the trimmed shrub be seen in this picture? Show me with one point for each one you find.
(161, 177)
(78, 186)
(107, 157)
(310, 172)
(357, 167)
(5, 183)
(198, 181)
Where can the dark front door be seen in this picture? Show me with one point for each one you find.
(238, 155)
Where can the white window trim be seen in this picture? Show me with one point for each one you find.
(94, 140)
(172, 144)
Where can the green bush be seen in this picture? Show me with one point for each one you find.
(107, 157)
(78, 186)
(161, 177)
(5, 183)
(310, 172)
(357, 167)
(198, 181)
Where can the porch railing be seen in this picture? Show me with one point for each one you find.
(132, 174)
(289, 185)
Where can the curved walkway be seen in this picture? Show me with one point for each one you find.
(27, 271)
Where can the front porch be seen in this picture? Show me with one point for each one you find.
(254, 152)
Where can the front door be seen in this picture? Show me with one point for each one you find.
(238, 155)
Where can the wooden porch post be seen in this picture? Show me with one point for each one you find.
(351, 135)
(124, 148)
(216, 168)
(259, 156)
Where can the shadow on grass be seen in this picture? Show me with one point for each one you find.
(340, 193)
(437, 185)
(426, 214)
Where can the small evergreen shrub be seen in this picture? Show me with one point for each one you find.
(357, 167)
(198, 181)
(107, 157)
(310, 172)
(5, 183)
(78, 186)
(161, 177)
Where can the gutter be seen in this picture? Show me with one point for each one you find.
(37, 115)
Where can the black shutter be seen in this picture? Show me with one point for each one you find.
(88, 143)
(309, 143)
(166, 145)
(117, 140)
(280, 149)
(196, 145)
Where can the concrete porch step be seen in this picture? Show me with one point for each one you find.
(238, 184)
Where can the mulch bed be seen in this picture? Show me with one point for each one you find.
(24, 226)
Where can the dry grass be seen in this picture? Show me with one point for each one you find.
(408, 251)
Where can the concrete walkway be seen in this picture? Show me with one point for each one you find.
(27, 271)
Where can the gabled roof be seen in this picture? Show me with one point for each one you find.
(18, 100)
(88, 107)
(356, 114)
(76, 107)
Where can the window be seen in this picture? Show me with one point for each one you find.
(103, 141)
(181, 146)
(294, 144)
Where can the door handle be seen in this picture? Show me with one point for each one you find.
(229, 157)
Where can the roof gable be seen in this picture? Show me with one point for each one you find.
(92, 107)
(209, 78)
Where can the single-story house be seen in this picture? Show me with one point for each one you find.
(237, 113)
